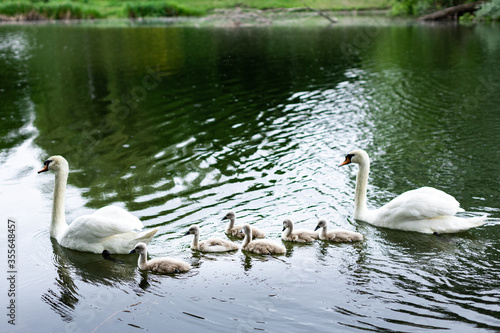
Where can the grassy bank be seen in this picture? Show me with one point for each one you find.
(88, 9)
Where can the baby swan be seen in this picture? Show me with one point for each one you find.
(235, 230)
(337, 235)
(259, 246)
(299, 235)
(211, 244)
(159, 265)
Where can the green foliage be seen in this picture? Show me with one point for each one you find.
(489, 11)
(65, 10)
(53, 10)
(412, 7)
(157, 9)
(467, 18)
(154, 8)
(13, 8)
(403, 8)
(420, 7)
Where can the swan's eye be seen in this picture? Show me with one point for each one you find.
(47, 162)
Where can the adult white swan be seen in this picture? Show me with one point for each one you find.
(426, 210)
(110, 228)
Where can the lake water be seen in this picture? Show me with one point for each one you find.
(179, 124)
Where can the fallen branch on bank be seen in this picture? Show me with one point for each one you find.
(321, 13)
(451, 12)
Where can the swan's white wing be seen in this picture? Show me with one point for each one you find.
(126, 219)
(95, 228)
(420, 204)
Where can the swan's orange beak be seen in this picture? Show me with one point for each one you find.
(45, 168)
(347, 160)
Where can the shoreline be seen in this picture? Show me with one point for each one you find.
(237, 16)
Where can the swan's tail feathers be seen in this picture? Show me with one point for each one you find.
(472, 222)
(454, 224)
(477, 221)
(146, 236)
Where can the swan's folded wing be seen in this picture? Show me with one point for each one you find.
(420, 204)
(306, 235)
(94, 228)
(261, 247)
(120, 214)
(216, 242)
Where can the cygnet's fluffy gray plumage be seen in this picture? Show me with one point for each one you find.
(259, 246)
(159, 265)
(337, 235)
(298, 235)
(211, 244)
(235, 230)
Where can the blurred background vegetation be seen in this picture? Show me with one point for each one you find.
(90, 9)
(490, 10)
(58, 9)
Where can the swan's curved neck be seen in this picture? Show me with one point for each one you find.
(323, 231)
(58, 224)
(288, 231)
(196, 239)
(230, 224)
(247, 239)
(360, 208)
(143, 259)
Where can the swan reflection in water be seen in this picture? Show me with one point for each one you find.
(73, 267)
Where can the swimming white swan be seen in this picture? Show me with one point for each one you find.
(337, 235)
(298, 235)
(259, 246)
(211, 244)
(161, 265)
(109, 228)
(426, 210)
(235, 230)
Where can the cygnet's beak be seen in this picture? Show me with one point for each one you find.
(133, 251)
(186, 233)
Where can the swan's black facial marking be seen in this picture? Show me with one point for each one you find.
(46, 166)
(348, 159)
(47, 163)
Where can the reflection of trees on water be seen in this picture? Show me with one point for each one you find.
(178, 136)
(431, 86)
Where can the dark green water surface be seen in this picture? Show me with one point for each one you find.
(181, 124)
